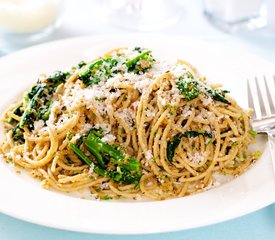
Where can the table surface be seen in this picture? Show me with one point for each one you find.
(80, 20)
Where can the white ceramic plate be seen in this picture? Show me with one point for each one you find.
(22, 197)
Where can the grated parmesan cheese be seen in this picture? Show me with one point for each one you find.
(149, 113)
(109, 138)
(38, 125)
(87, 127)
(149, 184)
(142, 84)
(114, 81)
(135, 106)
(106, 128)
(163, 102)
(207, 101)
(104, 185)
(179, 70)
(148, 155)
(138, 197)
(187, 113)
(92, 166)
(197, 157)
(125, 115)
(160, 180)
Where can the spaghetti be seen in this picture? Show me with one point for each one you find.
(128, 126)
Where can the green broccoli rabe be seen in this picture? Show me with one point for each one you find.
(193, 134)
(80, 154)
(133, 64)
(57, 78)
(81, 64)
(218, 95)
(190, 89)
(102, 69)
(30, 113)
(127, 169)
(17, 133)
(172, 145)
(124, 169)
(124, 175)
(54, 80)
(30, 94)
(45, 110)
(37, 102)
(97, 71)
(49, 84)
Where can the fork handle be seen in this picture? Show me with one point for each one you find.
(271, 141)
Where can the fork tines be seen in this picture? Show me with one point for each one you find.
(261, 97)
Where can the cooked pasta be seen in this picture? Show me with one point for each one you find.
(127, 125)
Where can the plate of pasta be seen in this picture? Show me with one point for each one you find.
(134, 135)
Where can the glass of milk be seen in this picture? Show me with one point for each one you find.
(236, 15)
(23, 22)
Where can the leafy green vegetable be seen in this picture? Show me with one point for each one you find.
(127, 169)
(17, 133)
(133, 64)
(110, 163)
(30, 113)
(80, 154)
(172, 145)
(81, 64)
(80, 141)
(45, 110)
(189, 89)
(97, 71)
(93, 144)
(218, 95)
(57, 78)
(193, 134)
(37, 103)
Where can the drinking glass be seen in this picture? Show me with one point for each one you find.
(141, 15)
(236, 15)
(24, 22)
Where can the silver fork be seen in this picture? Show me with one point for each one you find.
(261, 98)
